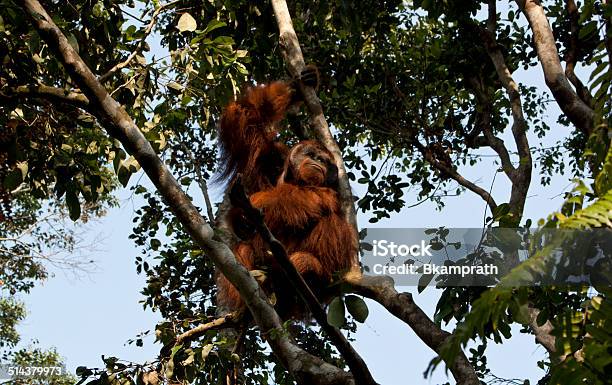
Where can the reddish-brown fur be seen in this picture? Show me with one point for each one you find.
(294, 188)
(247, 136)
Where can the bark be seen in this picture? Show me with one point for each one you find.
(543, 334)
(223, 322)
(52, 94)
(306, 369)
(522, 177)
(580, 114)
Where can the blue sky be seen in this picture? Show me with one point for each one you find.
(93, 315)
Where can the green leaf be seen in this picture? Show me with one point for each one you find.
(13, 179)
(72, 40)
(213, 24)
(357, 307)
(206, 351)
(501, 210)
(335, 312)
(175, 86)
(523, 316)
(424, 281)
(542, 317)
(187, 23)
(155, 243)
(124, 176)
(72, 202)
(189, 360)
(98, 9)
(588, 29)
(223, 40)
(175, 349)
(83, 371)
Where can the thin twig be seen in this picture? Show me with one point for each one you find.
(201, 182)
(140, 44)
(221, 322)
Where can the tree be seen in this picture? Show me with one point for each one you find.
(419, 110)
(50, 360)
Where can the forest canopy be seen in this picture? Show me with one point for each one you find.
(413, 97)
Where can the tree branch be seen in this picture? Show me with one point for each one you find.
(572, 54)
(356, 364)
(497, 144)
(521, 178)
(201, 182)
(581, 115)
(543, 334)
(306, 369)
(381, 289)
(292, 53)
(452, 173)
(51, 94)
(139, 46)
(222, 322)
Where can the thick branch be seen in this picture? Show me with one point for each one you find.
(521, 178)
(306, 368)
(381, 289)
(294, 59)
(580, 114)
(139, 46)
(52, 94)
(356, 364)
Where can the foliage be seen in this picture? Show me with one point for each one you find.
(407, 88)
(11, 313)
(580, 335)
(592, 363)
(36, 357)
(53, 165)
